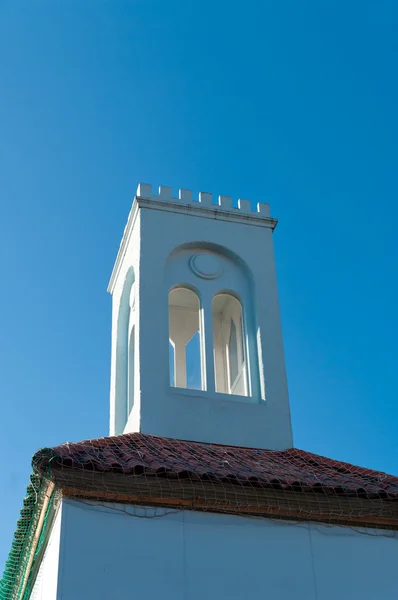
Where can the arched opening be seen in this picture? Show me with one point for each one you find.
(185, 339)
(229, 345)
(122, 354)
(225, 351)
(130, 383)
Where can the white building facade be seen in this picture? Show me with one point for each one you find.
(198, 492)
(125, 552)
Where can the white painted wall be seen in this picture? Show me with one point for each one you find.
(45, 587)
(119, 552)
(127, 277)
(156, 227)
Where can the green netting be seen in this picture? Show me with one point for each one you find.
(38, 551)
(18, 558)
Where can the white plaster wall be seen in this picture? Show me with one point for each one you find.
(208, 417)
(126, 553)
(161, 410)
(45, 587)
(131, 260)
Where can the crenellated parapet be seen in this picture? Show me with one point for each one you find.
(217, 204)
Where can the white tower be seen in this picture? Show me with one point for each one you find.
(197, 350)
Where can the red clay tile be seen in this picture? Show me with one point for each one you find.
(285, 469)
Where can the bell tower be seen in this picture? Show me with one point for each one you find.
(197, 350)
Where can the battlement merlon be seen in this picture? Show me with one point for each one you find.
(205, 201)
(202, 206)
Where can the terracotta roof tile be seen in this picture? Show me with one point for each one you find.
(288, 469)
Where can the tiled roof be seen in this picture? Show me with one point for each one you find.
(290, 469)
(144, 469)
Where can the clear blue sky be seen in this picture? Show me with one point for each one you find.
(293, 103)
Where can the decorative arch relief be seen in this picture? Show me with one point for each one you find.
(205, 265)
(212, 343)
